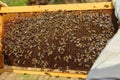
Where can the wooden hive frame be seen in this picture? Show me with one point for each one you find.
(41, 8)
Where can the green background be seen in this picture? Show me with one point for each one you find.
(15, 2)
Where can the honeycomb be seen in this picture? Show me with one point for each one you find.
(64, 40)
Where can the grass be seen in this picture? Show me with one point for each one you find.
(15, 2)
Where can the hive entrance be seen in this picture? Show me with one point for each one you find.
(64, 40)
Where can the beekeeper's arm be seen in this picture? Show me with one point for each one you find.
(107, 65)
(3, 4)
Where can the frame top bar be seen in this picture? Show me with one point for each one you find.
(68, 7)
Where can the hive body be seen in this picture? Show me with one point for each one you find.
(64, 40)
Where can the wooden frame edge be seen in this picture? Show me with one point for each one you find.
(45, 73)
(1, 56)
(87, 6)
(40, 8)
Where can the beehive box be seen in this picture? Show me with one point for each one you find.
(57, 40)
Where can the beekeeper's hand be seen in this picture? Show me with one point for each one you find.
(107, 65)
(3, 4)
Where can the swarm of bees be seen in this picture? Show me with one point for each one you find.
(64, 40)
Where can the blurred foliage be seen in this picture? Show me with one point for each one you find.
(15, 2)
(25, 2)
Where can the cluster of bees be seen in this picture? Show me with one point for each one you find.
(45, 2)
(84, 1)
(40, 2)
(64, 40)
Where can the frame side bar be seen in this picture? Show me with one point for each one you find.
(40, 8)
(1, 56)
